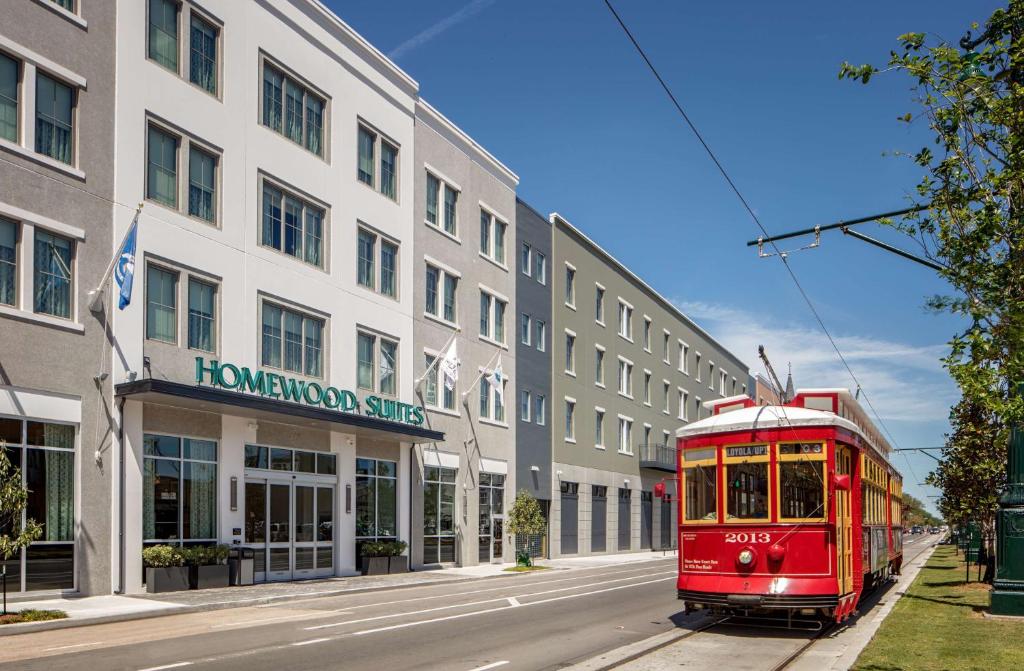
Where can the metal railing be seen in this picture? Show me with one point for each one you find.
(658, 456)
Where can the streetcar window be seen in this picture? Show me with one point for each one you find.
(701, 483)
(802, 488)
(747, 494)
(699, 455)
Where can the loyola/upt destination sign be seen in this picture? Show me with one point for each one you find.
(274, 385)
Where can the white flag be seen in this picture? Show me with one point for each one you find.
(450, 367)
(496, 378)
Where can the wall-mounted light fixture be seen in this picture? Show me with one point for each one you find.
(234, 493)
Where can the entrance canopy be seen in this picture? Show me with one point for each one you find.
(210, 399)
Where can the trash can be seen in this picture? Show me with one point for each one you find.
(241, 562)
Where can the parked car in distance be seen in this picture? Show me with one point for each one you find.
(916, 529)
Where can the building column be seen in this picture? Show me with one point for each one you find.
(344, 446)
(134, 467)
(404, 499)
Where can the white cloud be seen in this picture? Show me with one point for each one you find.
(424, 36)
(904, 382)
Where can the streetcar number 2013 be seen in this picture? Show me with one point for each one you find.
(748, 538)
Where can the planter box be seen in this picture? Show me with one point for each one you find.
(398, 564)
(206, 577)
(374, 565)
(167, 579)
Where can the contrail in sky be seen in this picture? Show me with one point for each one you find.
(421, 38)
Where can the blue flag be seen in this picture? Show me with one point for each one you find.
(124, 271)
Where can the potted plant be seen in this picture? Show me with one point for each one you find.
(397, 562)
(374, 558)
(208, 566)
(165, 569)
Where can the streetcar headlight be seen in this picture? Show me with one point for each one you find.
(746, 556)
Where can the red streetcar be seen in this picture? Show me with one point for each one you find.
(786, 510)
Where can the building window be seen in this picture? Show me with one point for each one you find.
(525, 260)
(292, 225)
(292, 341)
(625, 377)
(524, 406)
(524, 329)
(161, 304)
(540, 329)
(647, 387)
(52, 270)
(540, 409)
(367, 266)
(696, 364)
(377, 363)
(8, 262)
(711, 375)
(492, 317)
(599, 366)
(370, 144)
(570, 286)
(684, 354)
(540, 267)
(451, 199)
(625, 435)
(647, 334)
(570, 420)
(163, 33)
(376, 500)
(625, 320)
(666, 392)
(492, 237)
(45, 455)
(9, 73)
(684, 400)
(492, 404)
(439, 514)
(443, 284)
(599, 305)
(202, 69)
(599, 428)
(665, 355)
(570, 353)
(162, 173)
(293, 109)
(55, 103)
(447, 397)
(179, 493)
(202, 169)
(202, 300)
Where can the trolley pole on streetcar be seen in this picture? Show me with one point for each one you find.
(1008, 586)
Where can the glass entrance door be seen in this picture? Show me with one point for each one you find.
(290, 524)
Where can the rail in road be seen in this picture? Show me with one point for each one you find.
(566, 615)
(741, 645)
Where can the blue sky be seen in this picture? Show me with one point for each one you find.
(556, 92)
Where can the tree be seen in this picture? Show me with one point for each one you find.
(972, 98)
(972, 471)
(525, 519)
(914, 513)
(13, 499)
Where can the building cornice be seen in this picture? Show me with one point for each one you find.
(441, 124)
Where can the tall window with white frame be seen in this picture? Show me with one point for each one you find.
(625, 435)
(599, 305)
(202, 306)
(525, 405)
(570, 286)
(52, 274)
(442, 204)
(541, 332)
(570, 353)
(161, 304)
(371, 144)
(435, 393)
(599, 366)
(540, 267)
(492, 401)
(441, 293)
(202, 66)
(570, 420)
(55, 111)
(625, 320)
(381, 277)
(540, 409)
(164, 151)
(625, 378)
(377, 363)
(292, 224)
(10, 71)
(163, 33)
(291, 340)
(525, 329)
(599, 428)
(8, 262)
(292, 109)
(492, 317)
(647, 334)
(525, 256)
(376, 501)
(162, 167)
(44, 453)
(492, 237)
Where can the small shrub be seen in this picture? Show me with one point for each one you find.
(163, 556)
(523, 558)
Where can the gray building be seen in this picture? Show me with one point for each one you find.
(628, 368)
(465, 278)
(533, 354)
(56, 189)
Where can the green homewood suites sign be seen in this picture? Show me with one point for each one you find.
(273, 385)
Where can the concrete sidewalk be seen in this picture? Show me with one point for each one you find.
(84, 611)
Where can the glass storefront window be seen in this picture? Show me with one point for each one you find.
(438, 514)
(376, 499)
(45, 454)
(179, 499)
(286, 459)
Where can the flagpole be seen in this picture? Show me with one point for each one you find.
(480, 375)
(96, 295)
(437, 359)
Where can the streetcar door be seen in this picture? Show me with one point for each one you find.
(844, 525)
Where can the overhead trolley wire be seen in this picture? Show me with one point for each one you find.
(753, 215)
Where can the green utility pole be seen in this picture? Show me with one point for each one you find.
(1008, 587)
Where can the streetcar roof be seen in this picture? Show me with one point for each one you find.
(765, 417)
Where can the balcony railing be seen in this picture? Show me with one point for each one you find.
(658, 456)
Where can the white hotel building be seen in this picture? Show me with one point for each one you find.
(272, 149)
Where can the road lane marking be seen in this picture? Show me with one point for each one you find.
(243, 623)
(166, 666)
(76, 645)
(310, 642)
(512, 601)
(493, 665)
(478, 603)
(494, 610)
